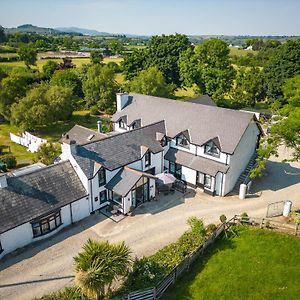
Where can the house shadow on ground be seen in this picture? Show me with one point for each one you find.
(278, 175)
(34, 248)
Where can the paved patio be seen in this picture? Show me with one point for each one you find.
(47, 266)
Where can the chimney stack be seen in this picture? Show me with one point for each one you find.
(122, 100)
(99, 125)
(73, 147)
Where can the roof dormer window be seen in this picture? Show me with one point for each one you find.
(122, 124)
(211, 149)
(182, 141)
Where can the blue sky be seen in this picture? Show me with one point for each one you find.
(236, 17)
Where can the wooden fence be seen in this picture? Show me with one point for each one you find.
(158, 291)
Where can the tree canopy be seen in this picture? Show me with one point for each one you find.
(208, 66)
(284, 64)
(42, 106)
(151, 82)
(28, 55)
(100, 87)
(49, 68)
(163, 52)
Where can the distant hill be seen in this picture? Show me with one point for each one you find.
(83, 31)
(29, 28)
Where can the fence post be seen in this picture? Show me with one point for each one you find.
(174, 274)
(262, 223)
(154, 293)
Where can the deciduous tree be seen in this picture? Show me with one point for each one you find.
(100, 87)
(151, 82)
(28, 55)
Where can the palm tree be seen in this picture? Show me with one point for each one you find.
(99, 264)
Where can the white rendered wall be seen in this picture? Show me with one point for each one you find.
(191, 149)
(188, 175)
(218, 184)
(241, 156)
(155, 162)
(80, 209)
(22, 235)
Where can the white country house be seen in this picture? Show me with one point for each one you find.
(203, 145)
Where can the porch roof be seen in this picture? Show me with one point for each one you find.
(125, 179)
(198, 163)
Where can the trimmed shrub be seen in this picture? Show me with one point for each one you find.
(10, 160)
(223, 218)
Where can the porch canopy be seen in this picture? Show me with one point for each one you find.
(198, 163)
(125, 179)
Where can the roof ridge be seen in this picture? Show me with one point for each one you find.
(123, 133)
(41, 169)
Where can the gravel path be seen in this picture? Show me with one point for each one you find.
(47, 266)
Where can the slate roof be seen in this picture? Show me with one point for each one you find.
(39, 193)
(118, 150)
(124, 180)
(204, 122)
(198, 163)
(82, 135)
(205, 100)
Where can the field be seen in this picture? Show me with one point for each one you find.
(77, 61)
(257, 264)
(241, 52)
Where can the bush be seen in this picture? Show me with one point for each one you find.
(244, 217)
(10, 160)
(149, 271)
(69, 293)
(210, 228)
(223, 218)
(94, 110)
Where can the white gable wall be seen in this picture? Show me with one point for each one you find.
(241, 156)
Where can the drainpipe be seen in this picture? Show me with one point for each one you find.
(91, 193)
(71, 213)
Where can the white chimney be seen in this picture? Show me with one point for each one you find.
(73, 147)
(122, 100)
(3, 182)
(99, 125)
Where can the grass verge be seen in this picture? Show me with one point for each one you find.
(257, 264)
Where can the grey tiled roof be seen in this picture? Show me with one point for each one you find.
(125, 179)
(118, 150)
(204, 122)
(205, 100)
(198, 163)
(32, 195)
(82, 135)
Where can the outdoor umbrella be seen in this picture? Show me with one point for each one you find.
(165, 178)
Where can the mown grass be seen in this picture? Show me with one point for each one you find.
(241, 52)
(257, 264)
(41, 62)
(51, 133)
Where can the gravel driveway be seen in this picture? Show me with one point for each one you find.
(47, 266)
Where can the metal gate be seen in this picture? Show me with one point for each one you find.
(275, 209)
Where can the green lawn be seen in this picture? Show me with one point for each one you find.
(258, 264)
(51, 133)
(77, 61)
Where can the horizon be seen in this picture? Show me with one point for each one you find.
(139, 17)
